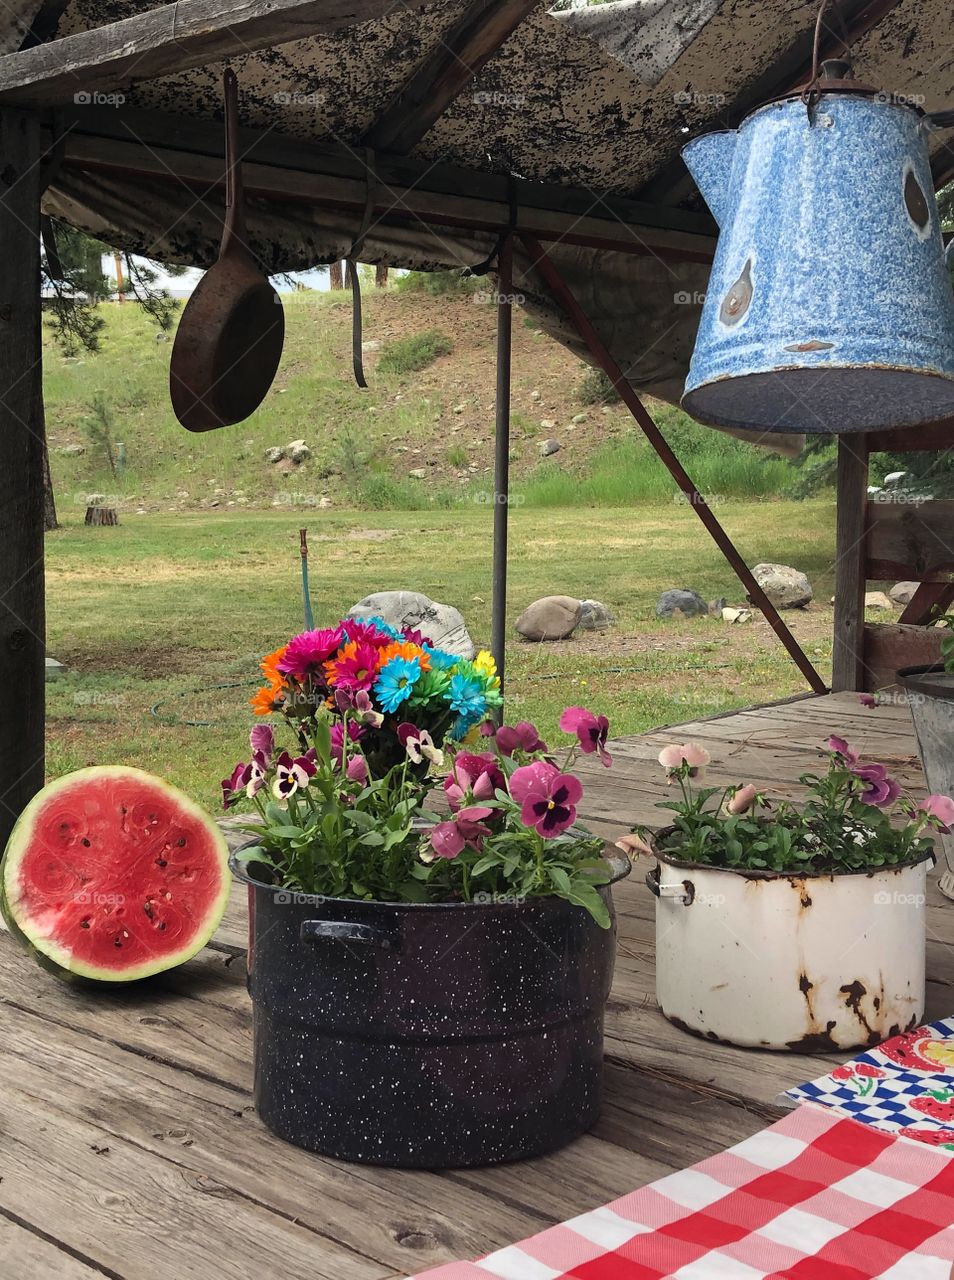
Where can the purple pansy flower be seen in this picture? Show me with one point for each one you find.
(591, 730)
(465, 830)
(292, 775)
(522, 736)
(880, 790)
(547, 797)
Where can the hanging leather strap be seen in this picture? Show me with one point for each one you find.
(351, 263)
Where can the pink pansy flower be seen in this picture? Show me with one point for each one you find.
(262, 740)
(743, 799)
(249, 778)
(357, 770)
(307, 653)
(880, 790)
(472, 776)
(355, 734)
(292, 775)
(841, 748)
(465, 830)
(941, 808)
(359, 701)
(686, 753)
(233, 785)
(547, 797)
(517, 737)
(591, 730)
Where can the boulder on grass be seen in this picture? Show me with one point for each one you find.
(595, 616)
(787, 588)
(680, 600)
(442, 624)
(877, 600)
(902, 593)
(550, 618)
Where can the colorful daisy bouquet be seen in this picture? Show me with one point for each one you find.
(372, 677)
(855, 818)
(329, 824)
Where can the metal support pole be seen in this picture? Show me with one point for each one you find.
(561, 292)
(498, 592)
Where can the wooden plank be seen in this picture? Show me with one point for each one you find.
(928, 436)
(889, 647)
(930, 599)
(848, 651)
(911, 540)
(32, 1257)
(399, 205)
(451, 65)
(22, 626)
(175, 37)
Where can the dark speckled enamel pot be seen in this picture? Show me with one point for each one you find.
(431, 1036)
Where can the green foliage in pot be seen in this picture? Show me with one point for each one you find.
(855, 819)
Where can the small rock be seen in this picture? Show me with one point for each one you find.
(595, 616)
(550, 618)
(274, 454)
(902, 593)
(441, 623)
(371, 345)
(549, 447)
(534, 395)
(894, 479)
(324, 502)
(680, 600)
(54, 669)
(717, 605)
(297, 451)
(548, 424)
(458, 408)
(72, 450)
(418, 473)
(578, 418)
(787, 588)
(730, 614)
(877, 600)
(161, 336)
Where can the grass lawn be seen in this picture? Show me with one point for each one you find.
(161, 621)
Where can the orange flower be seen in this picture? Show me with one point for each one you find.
(269, 665)
(404, 649)
(269, 699)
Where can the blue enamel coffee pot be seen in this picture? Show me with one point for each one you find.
(829, 306)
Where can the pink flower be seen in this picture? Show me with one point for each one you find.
(591, 730)
(867, 699)
(473, 776)
(249, 778)
(306, 654)
(359, 701)
(880, 790)
(690, 754)
(365, 632)
(547, 797)
(941, 808)
(356, 667)
(357, 769)
(262, 739)
(233, 785)
(419, 745)
(518, 737)
(466, 830)
(355, 734)
(743, 799)
(839, 747)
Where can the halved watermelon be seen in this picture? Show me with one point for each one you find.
(112, 874)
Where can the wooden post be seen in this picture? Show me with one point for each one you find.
(22, 644)
(848, 666)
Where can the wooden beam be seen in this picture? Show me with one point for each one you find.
(448, 68)
(22, 639)
(162, 41)
(890, 646)
(912, 540)
(189, 153)
(930, 599)
(848, 666)
(926, 438)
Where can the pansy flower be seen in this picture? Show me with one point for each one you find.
(356, 769)
(466, 830)
(686, 754)
(396, 682)
(591, 730)
(941, 809)
(547, 797)
(358, 702)
(262, 741)
(840, 748)
(879, 790)
(419, 745)
(307, 653)
(522, 736)
(292, 775)
(355, 734)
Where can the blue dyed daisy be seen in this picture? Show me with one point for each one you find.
(441, 661)
(396, 682)
(467, 698)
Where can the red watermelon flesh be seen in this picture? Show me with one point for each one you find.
(113, 874)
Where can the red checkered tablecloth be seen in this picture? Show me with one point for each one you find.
(814, 1197)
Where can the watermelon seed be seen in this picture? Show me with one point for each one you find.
(148, 908)
(84, 924)
(181, 842)
(161, 862)
(162, 925)
(85, 843)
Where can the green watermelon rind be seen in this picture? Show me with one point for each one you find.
(57, 959)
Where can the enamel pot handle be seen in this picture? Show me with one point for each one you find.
(683, 893)
(345, 931)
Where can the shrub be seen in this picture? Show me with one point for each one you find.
(408, 355)
(596, 388)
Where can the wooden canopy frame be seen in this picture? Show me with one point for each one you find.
(192, 33)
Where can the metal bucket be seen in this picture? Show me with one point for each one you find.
(829, 306)
(930, 693)
(433, 1036)
(811, 963)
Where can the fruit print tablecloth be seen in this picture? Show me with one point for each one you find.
(904, 1086)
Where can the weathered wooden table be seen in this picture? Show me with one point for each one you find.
(129, 1146)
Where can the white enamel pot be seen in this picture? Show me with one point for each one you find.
(775, 961)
